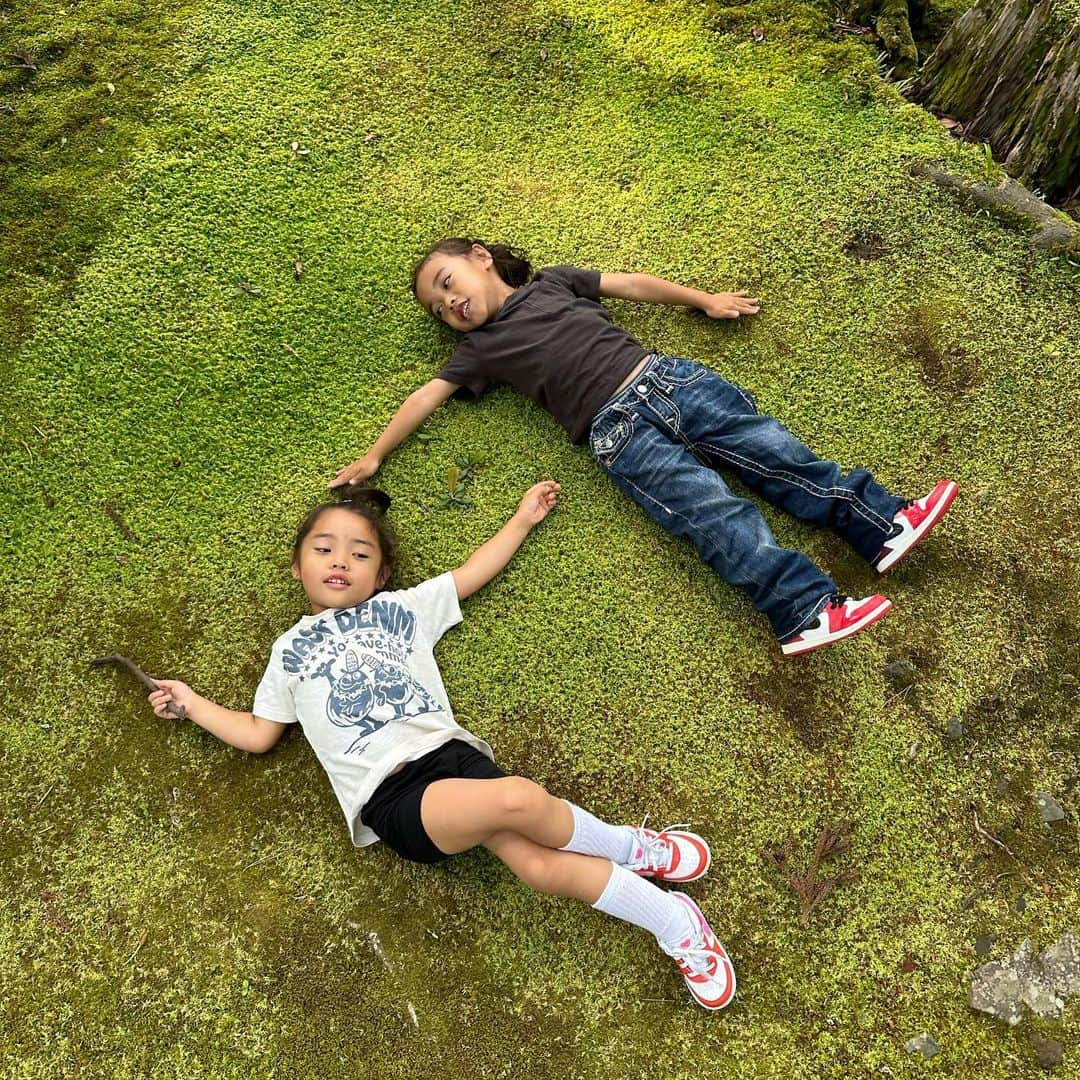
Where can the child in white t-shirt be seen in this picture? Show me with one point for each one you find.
(359, 676)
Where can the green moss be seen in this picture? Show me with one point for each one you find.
(176, 908)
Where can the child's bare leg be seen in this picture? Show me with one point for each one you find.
(609, 888)
(459, 814)
(560, 873)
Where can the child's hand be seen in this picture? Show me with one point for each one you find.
(730, 305)
(538, 502)
(359, 471)
(169, 690)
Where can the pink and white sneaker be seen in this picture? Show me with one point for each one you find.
(840, 618)
(915, 518)
(704, 964)
(669, 855)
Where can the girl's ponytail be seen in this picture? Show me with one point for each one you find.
(367, 502)
(510, 263)
(358, 495)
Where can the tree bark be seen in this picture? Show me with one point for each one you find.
(1010, 70)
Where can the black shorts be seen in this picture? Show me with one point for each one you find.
(393, 811)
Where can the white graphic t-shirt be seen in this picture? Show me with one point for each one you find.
(363, 683)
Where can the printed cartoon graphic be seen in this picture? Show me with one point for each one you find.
(372, 696)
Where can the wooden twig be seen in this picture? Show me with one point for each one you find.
(142, 939)
(989, 836)
(982, 890)
(117, 519)
(37, 805)
(171, 708)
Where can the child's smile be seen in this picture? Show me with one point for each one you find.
(463, 291)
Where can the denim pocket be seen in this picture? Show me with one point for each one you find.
(608, 439)
(675, 371)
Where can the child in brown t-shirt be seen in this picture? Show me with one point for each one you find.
(660, 426)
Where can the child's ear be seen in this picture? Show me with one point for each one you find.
(296, 569)
(482, 254)
(384, 575)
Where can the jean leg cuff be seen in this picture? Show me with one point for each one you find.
(816, 609)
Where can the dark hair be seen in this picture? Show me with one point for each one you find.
(510, 264)
(366, 502)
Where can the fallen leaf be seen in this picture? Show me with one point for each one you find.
(109, 86)
(758, 34)
(948, 123)
(909, 964)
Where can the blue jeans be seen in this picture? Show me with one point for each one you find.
(661, 440)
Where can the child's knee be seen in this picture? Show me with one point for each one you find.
(520, 797)
(540, 871)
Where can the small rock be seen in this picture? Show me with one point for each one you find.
(923, 1044)
(1061, 965)
(1049, 808)
(900, 674)
(1021, 904)
(1049, 1051)
(956, 730)
(983, 944)
(995, 989)
(1041, 982)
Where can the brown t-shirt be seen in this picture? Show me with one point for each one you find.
(554, 341)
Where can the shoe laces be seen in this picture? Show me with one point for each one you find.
(656, 851)
(696, 958)
(838, 600)
(907, 504)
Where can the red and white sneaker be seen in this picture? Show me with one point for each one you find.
(704, 964)
(915, 518)
(669, 855)
(840, 618)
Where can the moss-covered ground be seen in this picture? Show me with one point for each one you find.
(174, 398)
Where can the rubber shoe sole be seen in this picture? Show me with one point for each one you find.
(801, 648)
(724, 961)
(928, 523)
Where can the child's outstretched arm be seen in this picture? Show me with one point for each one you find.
(415, 409)
(655, 290)
(488, 559)
(243, 730)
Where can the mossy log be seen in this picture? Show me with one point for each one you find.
(1010, 70)
(1051, 230)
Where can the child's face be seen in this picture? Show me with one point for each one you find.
(339, 562)
(463, 291)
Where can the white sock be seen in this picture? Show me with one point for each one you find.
(637, 901)
(595, 837)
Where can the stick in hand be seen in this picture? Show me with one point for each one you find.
(115, 658)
